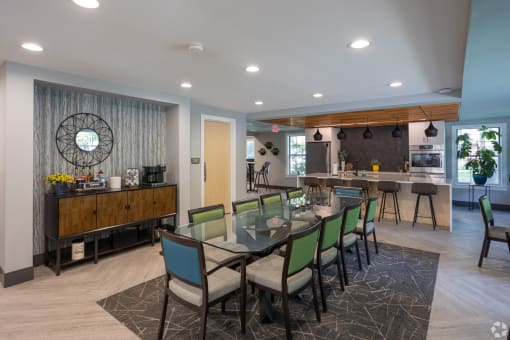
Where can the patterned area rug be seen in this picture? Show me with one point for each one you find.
(390, 299)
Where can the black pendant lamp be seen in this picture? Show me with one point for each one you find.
(317, 136)
(341, 134)
(431, 131)
(396, 133)
(367, 134)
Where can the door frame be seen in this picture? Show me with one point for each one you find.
(233, 158)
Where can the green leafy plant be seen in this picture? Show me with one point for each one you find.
(375, 161)
(480, 158)
(343, 154)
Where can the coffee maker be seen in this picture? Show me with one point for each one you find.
(154, 176)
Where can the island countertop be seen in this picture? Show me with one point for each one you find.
(399, 177)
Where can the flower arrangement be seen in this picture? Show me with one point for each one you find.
(375, 161)
(343, 154)
(59, 178)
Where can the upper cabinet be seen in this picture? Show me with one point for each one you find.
(417, 133)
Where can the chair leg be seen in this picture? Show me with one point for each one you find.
(203, 323)
(398, 207)
(321, 288)
(375, 242)
(395, 206)
(344, 267)
(286, 316)
(163, 317)
(315, 299)
(243, 306)
(366, 249)
(357, 255)
(487, 248)
(416, 208)
(432, 213)
(482, 253)
(383, 206)
(223, 305)
(338, 267)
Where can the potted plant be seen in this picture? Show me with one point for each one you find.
(59, 182)
(480, 157)
(342, 156)
(376, 164)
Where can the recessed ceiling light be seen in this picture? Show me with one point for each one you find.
(87, 3)
(259, 102)
(360, 43)
(186, 85)
(317, 95)
(32, 47)
(252, 69)
(395, 84)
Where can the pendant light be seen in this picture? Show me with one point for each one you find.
(317, 136)
(396, 133)
(367, 134)
(431, 131)
(341, 134)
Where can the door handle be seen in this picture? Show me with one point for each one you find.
(205, 171)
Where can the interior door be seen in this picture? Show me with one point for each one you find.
(217, 164)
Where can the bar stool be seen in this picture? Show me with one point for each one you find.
(331, 183)
(314, 185)
(361, 183)
(424, 189)
(389, 187)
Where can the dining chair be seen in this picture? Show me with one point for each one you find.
(190, 282)
(294, 193)
(366, 226)
(272, 204)
(287, 276)
(327, 251)
(252, 204)
(348, 237)
(492, 232)
(210, 213)
(508, 239)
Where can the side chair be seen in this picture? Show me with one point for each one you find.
(366, 226)
(492, 232)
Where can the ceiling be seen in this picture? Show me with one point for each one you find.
(300, 46)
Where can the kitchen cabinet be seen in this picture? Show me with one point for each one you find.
(417, 133)
(76, 215)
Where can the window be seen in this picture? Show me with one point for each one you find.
(250, 148)
(296, 152)
(465, 176)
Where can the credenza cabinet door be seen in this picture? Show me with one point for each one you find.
(165, 200)
(140, 203)
(112, 209)
(76, 215)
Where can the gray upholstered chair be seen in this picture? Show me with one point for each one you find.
(287, 276)
(366, 226)
(492, 232)
(197, 284)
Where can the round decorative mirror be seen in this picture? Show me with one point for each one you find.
(84, 139)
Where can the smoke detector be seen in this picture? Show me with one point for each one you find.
(196, 48)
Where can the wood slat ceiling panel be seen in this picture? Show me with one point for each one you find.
(448, 112)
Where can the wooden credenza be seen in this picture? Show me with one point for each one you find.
(78, 215)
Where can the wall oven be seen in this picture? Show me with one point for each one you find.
(427, 159)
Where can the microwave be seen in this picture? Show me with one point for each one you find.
(428, 159)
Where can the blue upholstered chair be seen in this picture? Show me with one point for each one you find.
(197, 284)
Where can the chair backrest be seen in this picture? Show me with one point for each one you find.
(272, 204)
(295, 193)
(486, 210)
(300, 251)
(271, 198)
(370, 210)
(330, 232)
(333, 182)
(252, 204)
(267, 167)
(348, 191)
(311, 181)
(350, 219)
(205, 214)
(359, 183)
(184, 259)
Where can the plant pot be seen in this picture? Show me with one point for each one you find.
(60, 188)
(375, 168)
(479, 179)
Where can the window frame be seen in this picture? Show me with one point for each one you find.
(502, 169)
(287, 152)
(251, 139)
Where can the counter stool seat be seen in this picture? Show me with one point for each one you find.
(424, 189)
(389, 187)
(314, 185)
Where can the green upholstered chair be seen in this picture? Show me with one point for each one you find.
(215, 213)
(295, 193)
(191, 282)
(252, 204)
(272, 203)
(492, 232)
(327, 251)
(348, 237)
(366, 226)
(287, 276)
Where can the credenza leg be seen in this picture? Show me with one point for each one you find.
(96, 247)
(57, 251)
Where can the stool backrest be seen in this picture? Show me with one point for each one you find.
(359, 183)
(388, 186)
(311, 181)
(424, 188)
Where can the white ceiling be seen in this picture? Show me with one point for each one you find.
(300, 46)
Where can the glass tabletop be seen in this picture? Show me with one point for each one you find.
(262, 231)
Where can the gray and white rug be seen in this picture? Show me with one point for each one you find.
(390, 299)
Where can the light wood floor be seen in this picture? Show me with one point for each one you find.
(467, 300)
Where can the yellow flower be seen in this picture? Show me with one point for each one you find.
(59, 178)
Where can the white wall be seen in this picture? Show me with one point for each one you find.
(17, 160)
(2, 166)
(197, 110)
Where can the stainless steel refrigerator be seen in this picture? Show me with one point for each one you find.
(318, 157)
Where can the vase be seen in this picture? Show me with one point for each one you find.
(60, 188)
(342, 165)
(479, 179)
(375, 168)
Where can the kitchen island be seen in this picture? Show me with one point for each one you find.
(406, 199)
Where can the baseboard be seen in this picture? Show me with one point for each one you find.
(495, 206)
(277, 187)
(38, 260)
(17, 277)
